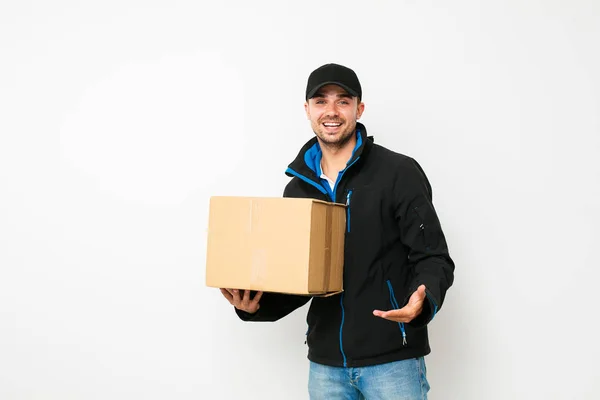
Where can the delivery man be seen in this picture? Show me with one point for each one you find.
(369, 341)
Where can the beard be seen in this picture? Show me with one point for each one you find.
(336, 139)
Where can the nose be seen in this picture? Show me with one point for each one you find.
(331, 110)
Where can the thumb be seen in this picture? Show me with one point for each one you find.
(419, 294)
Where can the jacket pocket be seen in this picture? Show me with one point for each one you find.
(396, 306)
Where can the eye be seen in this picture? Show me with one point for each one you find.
(320, 101)
(344, 102)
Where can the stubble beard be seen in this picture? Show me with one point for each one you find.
(334, 142)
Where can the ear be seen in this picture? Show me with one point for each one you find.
(359, 110)
(307, 110)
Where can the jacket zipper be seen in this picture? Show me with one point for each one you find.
(396, 306)
(341, 176)
(341, 327)
(322, 190)
(342, 295)
(348, 208)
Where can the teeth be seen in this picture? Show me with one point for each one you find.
(331, 124)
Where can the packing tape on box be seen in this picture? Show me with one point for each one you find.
(258, 269)
(258, 262)
(328, 250)
(252, 216)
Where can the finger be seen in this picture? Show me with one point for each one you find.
(418, 296)
(257, 297)
(227, 295)
(236, 297)
(246, 298)
(255, 305)
(401, 315)
(395, 314)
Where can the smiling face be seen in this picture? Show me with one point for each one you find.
(333, 113)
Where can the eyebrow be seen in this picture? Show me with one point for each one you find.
(341, 95)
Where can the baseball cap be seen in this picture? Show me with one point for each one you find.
(333, 74)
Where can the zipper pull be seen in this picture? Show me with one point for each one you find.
(403, 333)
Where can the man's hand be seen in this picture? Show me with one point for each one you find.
(243, 301)
(409, 311)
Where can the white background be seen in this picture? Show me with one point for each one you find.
(119, 119)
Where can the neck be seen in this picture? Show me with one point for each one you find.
(335, 158)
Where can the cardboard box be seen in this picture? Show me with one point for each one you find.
(279, 245)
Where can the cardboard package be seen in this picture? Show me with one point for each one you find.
(279, 245)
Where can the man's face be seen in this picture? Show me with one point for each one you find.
(333, 113)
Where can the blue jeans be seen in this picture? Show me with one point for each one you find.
(399, 380)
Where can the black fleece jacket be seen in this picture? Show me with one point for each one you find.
(394, 243)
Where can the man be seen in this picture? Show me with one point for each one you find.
(370, 341)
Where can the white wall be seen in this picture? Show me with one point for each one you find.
(119, 119)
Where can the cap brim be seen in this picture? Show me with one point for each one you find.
(314, 90)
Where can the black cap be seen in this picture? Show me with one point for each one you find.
(333, 74)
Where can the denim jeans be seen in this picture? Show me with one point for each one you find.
(399, 380)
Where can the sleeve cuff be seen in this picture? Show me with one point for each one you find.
(245, 316)
(428, 313)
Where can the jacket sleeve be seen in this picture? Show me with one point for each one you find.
(274, 306)
(424, 239)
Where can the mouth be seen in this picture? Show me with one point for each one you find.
(331, 126)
